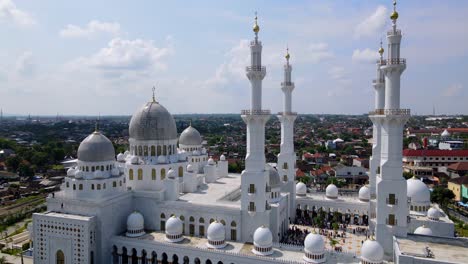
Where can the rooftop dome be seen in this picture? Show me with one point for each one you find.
(418, 192)
(174, 229)
(216, 235)
(134, 160)
(273, 178)
(135, 224)
(171, 174)
(96, 148)
(211, 161)
(222, 157)
(152, 122)
(79, 174)
(301, 189)
(372, 252)
(433, 213)
(120, 157)
(364, 193)
(263, 241)
(331, 191)
(190, 136)
(423, 230)
(71, 172)
(190, 168)
(314, 244)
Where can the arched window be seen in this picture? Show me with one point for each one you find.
(164, 150)
(159, 150)
(182, 218)
(285, 178)
(92, 168)
(223, 222)
(114, 184)
(74, 186)
(130, 174)
(80, 187)
(163, 174)
(163, 222)
(153, 174)
(146, 150)
(285, 166)
(233, 231)
(153, 151)
(140, 151)
(92, 186)
(140, 174)
(181, 171)
(211, 220)
(104, 185)
(68, 185)
(60, 257)
(102, 167)
(99, 186)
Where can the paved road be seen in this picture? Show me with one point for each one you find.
(17, 260)
(459, 216)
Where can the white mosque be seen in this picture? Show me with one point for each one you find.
(166, 201)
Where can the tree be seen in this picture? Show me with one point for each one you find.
(407, 175)
(25, 170)
(442, 196)
(13, 163)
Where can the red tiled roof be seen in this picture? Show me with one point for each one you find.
(460, 180)
(435, 153)
(299, 173)
(459, 166)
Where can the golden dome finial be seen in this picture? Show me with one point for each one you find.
(287, 56)
(394, 15)
(381, 49)
(256, 28)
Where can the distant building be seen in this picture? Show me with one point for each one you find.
(456, 186)
(433, 158)
(458, 169)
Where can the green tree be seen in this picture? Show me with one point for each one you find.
(407, 175)
(25, 170)
(442, 196)
(13, 163)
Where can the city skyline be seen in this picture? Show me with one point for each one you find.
(105, 58)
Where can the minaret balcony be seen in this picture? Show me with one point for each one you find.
(394, 32)
(287, 113)
(378, 81)
(287, 83)
(255, 112)
(256, 68)
(394, 61)
(401, 112)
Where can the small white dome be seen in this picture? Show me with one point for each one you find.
(211, 161)
(418, 192)
(171, 174)
(126, 153)
(331, 191)
(196, 153)
(423, 230)
(190, 168)
(262, 237)
(216, 232)
(372, 252)
(79, 174)
(314, 244)
(115, 171)
(174, 227)
(98, 174)
(71, 172)
(301, 189)
(135, 224)
(120, 157)
(203, 151)
(134, 160)
(364, 193)
(190, 136)
(161, 159)
(433, 213)
(222, 157)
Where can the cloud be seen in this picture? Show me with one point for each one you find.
(25, 65)
(10, 13)
(337, 72)
(94, 27)
(125, 56)
(373, 24)
(318, 52)
(453, 90)
(364, 56)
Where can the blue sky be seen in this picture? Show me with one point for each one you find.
(90, 57)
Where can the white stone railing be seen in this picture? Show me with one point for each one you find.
(390, 112)
(255, 112)
(288, 113)
(256, 68)
(393, 61)
(396, 32)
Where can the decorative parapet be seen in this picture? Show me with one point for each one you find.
(255, 112)
(402, 112)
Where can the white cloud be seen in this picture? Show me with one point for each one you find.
(337, 72)
(25, 65)
(365, 56)
(453, 90)
(10, 13)
(373, 24)
(126, 56)
(318, 52)
(93, 28)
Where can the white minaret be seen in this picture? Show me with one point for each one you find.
(287, 157)
(392, 202)
(379, 86)
(254, 182)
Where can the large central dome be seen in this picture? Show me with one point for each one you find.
(152, 122)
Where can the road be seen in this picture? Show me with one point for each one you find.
(457, 215)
